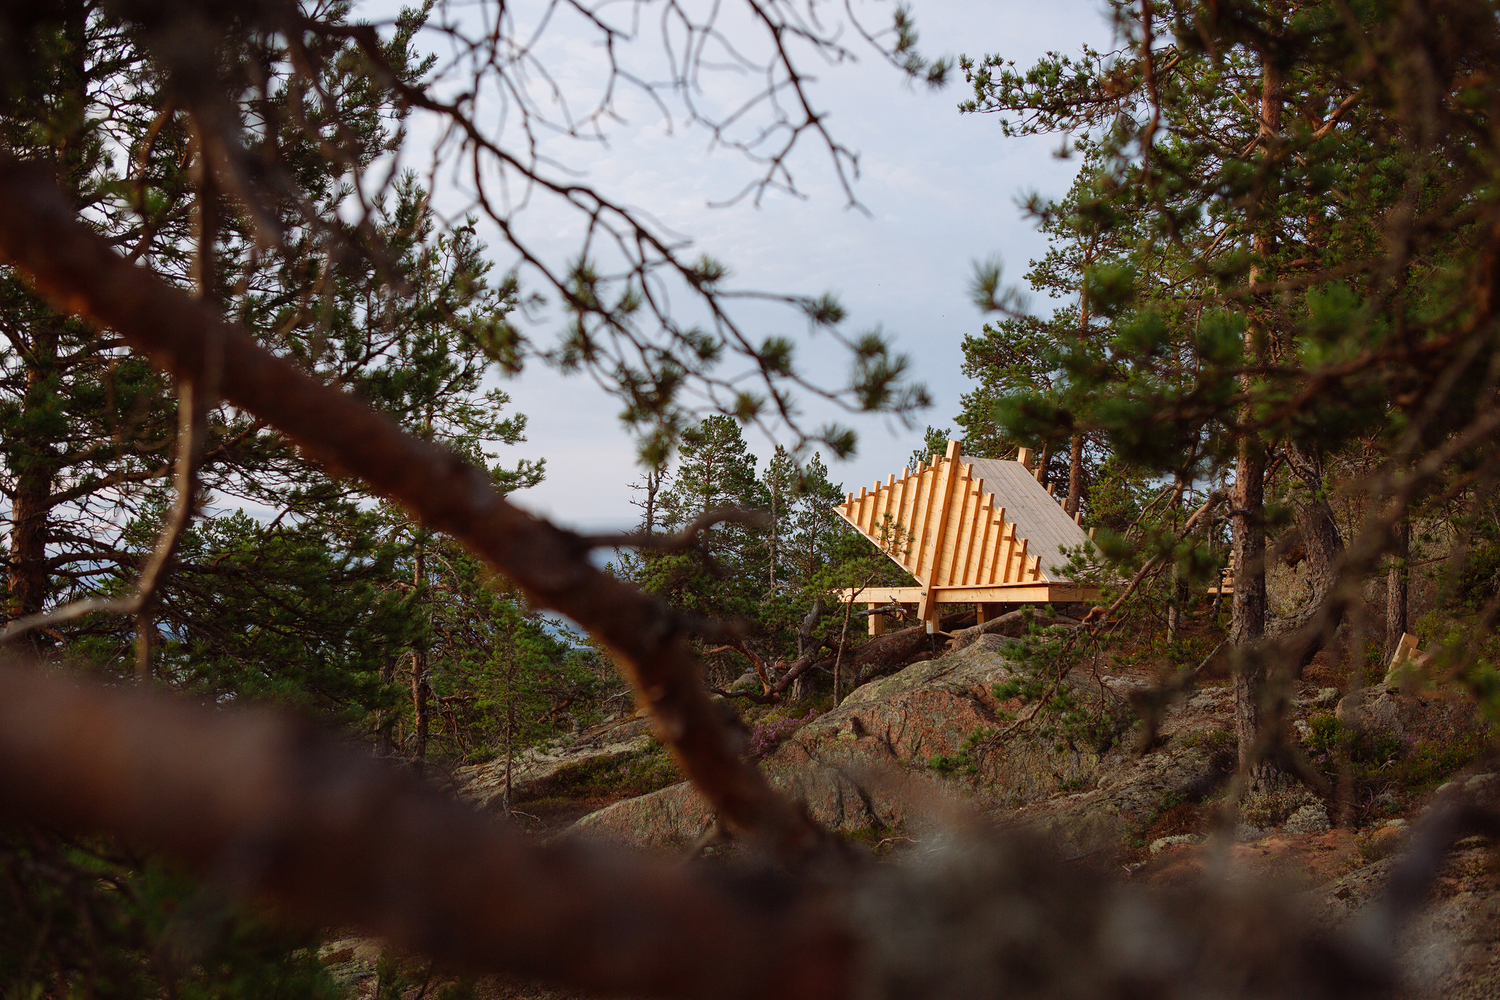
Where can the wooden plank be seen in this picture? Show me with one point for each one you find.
(927, 482)
(944, 480)
(994, 527)
(1023, 457)
(893, 508)
(961, 521)
(927, 609)
(911, 509)
(1406, 650)
(881, 595)
(977, 520)
(877, 623)
(963, 536)
(1037, 516)
(984, 517)
(1005, 554)
(1013, 593)
(997, 553)
(882, 507)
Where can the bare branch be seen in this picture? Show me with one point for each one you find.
(80, 274)
(685, 538)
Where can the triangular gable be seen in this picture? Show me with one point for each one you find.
(951, 523)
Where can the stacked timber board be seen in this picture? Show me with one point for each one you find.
(981, 532)
(977, 523)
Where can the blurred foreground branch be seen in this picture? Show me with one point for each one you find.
(81, 274)
(273, 810)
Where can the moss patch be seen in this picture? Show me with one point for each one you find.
(623, 776)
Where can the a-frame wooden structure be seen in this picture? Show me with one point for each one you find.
(982, 531)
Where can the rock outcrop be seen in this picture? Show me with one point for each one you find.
(937, 740)
(535, 770)
(1387, 709)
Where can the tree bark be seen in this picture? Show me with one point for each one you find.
(1396, 583)
(37, 462)
(1075, 476)
(1322, 544)
(419, 686)
(387, 721)
(1248, 620)
(1248, 624)
(419, 692)
(1178, 604)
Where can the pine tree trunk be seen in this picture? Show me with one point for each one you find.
(773, 536)
(1075, 476)
(1248, 624)
(1322, 545)
(419, 686)
(36, 458)
(510, 727)
(1396, 584)
(1179, 603)
(387, 723)
(27, 575)
(1248, 620)
(419, 692)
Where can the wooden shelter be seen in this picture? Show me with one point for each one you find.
(981, 531)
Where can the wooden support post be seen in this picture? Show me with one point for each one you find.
(1023, 455)
(877, 624)
(927, 609)
(987, 611)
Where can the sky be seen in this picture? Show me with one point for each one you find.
(939, 191)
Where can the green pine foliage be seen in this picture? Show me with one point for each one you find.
(89, 918)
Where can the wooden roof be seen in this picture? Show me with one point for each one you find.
(956, 523)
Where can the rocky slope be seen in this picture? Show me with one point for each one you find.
(941, 739)
(949, 740)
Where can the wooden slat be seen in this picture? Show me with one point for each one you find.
(945, 476)
(992, 568)
(921, 515)
(899, 518)
(910, 514)
(963, 534)
(950, 528)
(1017, 560)
(1003, 554)
(984, 517)
(976, 534)
(882, 507)
(1013, 593)
(960, 522)
(994, 519)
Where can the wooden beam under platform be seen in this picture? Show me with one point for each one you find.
(928, 600)
(1015, 593)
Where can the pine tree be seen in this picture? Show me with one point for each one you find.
(1265, 307)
